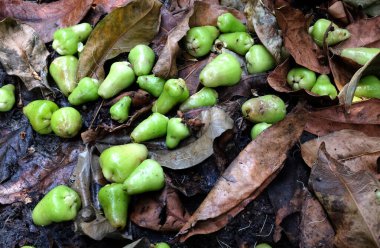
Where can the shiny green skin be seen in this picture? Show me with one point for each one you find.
(224, 70)
(142, 59)
(199, 40)
(7, 97)
(268, 108)
(204, 98)
(66, 122)
(301, 78)
(118, 162)
(64, 72)
(39, 114)
(369, 87)
(319, 29)
(239, 42)
(120, 110)
(148, 176)
(82, 30)
(228, 23)
(114, 201)
(259, 59)
(263, 245)
(155, 126)
(175, 92)
(86, 91)
(258, 128)
(154, 85)
(176, 131)
(324, 87)
(360, 55)
(27, 246)
(120, 77)
(60, 204)
(66, 40)
(161, 245)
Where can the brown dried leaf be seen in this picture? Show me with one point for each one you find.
(101, 7)
(342, 70)
(338, 12)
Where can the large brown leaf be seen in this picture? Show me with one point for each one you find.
(46, 18)
(101, 7)
(350, 201)
(246, 177)
(136, 23)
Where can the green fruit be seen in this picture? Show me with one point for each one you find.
(224, 70)
(86, 91)
(199, 40)
(7, 97)
(324, 87)
(263, 245)
(176, 131)
(114, 201)
(369, 87)
(66, 122)
(27, 246)
(228, 23)
(259, 59)
(142, 59)
(154, 85)
(268, 108)
(120, 110)
(120, 77)
(67, 40)
(64, 72)
(259, 128)
(148, 176)
(161, 245)
(239, 42)
(175, 92)
(334, 36)
(82, 30)
(301, 78)
(155, 126)
(360, 55)
(60, 204)
(203, 98)
(39, 114)
(118, 162)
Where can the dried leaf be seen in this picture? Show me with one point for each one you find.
(246, 177)
(101, 7)
(236, 4)
(360, 3)
(338, 12)
(46, 18)
(141, 243)
(23, 54)
(342, 70)
(350, 201)
(136, 23)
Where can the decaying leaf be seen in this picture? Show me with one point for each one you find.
(342, 70)
(349, 199)
(101, 7)
(23, 54)
(338, 11)
(247, 176)
(141, 243)
(136, 23)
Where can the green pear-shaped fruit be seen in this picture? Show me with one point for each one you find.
(86, 91)
(259, 59)
(82, 30)
(155, 126)
(175, 92)
(64, 72)
(66, 40)
(114, 201)
(39, 114)
(176, 132)
(118, 162)
(66, 122)
(60, 204)
(239, 42)
(301, 78)
(360, 55)
(148, 176)
(228, 23)
(7, 97)
(154, 85)
(161, 245)
(263, 245)
(268, 108)
(204, 98)
(142, 59)
(334, 36)
(224, 70)
(324, 87)
(120, 110)
(120, 77)
(259, 128)
(199, 40)
(369, 87)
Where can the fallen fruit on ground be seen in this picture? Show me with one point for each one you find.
(39, 114)
(7, 97)
(66, 122)
(268, 108)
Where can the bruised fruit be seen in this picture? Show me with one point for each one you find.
(268, 108)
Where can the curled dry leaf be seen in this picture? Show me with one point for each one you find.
(338, 11)
(349, 199)
(247, 176)
(141, 243)
(101, 7)
(342, 70)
